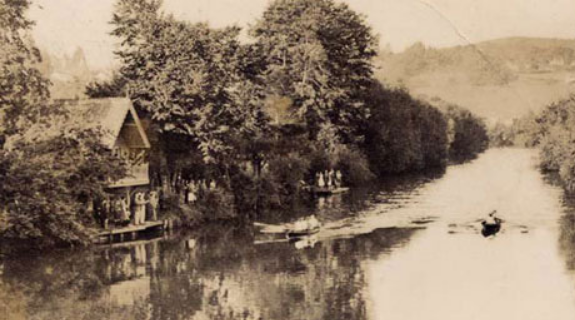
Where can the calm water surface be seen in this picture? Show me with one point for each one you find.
(409, 250)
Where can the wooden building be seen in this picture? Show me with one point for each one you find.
(125, 137)
(123, 134)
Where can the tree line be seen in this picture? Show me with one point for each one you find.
(551, 131)
(261, 118)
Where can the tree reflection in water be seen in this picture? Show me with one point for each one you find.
(218, 274)
(566, 222)
(567, 232)
(215, 273)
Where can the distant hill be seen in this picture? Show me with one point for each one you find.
(499, 79)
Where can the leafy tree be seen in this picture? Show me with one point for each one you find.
(555, 140)
(181, 74)
(434, 141)
(203, 92)
(467, 134)
(318, 53)
(470, 135)
(47, 186)
(403, 134)
(116, 87)
(254, 138)
(23, 90)
(46, 183)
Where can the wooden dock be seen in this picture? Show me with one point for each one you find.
(328, 191)
(130, 232)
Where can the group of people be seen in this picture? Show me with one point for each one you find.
(194, 189)
(329, 179)
(123, 210)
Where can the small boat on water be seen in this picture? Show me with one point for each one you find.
(491, 226)
(301, 233)
(299, 228)
(490, 229)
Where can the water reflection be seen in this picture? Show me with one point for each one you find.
(200, 278)
(566, 224)
(408, 249)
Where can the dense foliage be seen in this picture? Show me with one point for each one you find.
(404, 134)
(47, 183)
(180, 74)
(23, 90)
(555, 140)
(318, 53)
(521, 132)
(468, 134)
(551, 131)
(47, 187)
(265, 117)
(116, 87)
(260, 119)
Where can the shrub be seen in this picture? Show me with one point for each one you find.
(354, 166)
(469, 133)
(48, 186)
(254, 194)
(287, 173)
(403, 134)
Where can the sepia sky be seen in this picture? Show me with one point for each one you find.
(63, 25)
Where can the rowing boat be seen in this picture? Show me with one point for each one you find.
(490, 229)
(299, 228)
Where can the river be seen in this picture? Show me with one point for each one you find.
(408, 249)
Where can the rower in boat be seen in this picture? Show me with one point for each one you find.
(491, 224)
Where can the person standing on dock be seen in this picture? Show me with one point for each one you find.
(192, 196)
(186, 191)
(105, 210)
(178, 185)
(121, 209)
(338, 177)
(154, 202)
(321, 181)
(331, 179)
(139, 208)
(326, 177)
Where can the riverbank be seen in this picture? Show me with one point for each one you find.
(550, 130)
(258, 128)
(371, 261)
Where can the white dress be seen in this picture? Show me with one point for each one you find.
(321, 181)
(140, 210)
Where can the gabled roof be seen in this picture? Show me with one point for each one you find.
(108, 114)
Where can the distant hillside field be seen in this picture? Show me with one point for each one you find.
(499, 79)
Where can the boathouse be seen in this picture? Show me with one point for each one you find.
(124, 135)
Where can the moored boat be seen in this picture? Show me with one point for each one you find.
(302, 233)
(299, 228)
